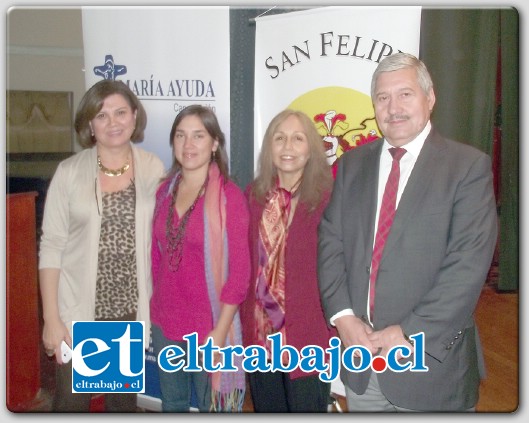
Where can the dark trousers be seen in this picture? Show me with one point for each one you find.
(275, 392)
(65, 401)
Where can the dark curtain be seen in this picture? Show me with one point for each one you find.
(510, 139)
(460, 48)
(242, 54)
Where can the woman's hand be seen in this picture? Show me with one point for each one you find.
(54, 332)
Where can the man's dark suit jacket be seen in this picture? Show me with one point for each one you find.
(433, 268)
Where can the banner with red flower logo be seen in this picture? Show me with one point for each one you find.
(321, 61)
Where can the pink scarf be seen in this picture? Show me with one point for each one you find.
(228, 388)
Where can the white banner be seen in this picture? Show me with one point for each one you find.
(321, 61)
(171, 57)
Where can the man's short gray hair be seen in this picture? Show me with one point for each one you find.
(399, 61)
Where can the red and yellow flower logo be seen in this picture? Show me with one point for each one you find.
(344, 118)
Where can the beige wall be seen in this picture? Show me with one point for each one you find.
(45, 51)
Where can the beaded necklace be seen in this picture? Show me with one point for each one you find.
(175, 234)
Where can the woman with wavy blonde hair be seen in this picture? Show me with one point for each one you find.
(286, 201)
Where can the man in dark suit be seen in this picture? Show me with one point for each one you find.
(435, 259)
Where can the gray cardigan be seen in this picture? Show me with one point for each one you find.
(71, 228)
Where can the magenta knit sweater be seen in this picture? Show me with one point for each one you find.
(179, 303)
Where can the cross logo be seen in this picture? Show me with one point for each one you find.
(109, 70)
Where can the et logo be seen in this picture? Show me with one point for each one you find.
(108, 357)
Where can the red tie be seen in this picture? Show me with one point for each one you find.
(385, 219)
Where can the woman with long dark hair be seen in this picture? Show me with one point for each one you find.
(200, 261)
